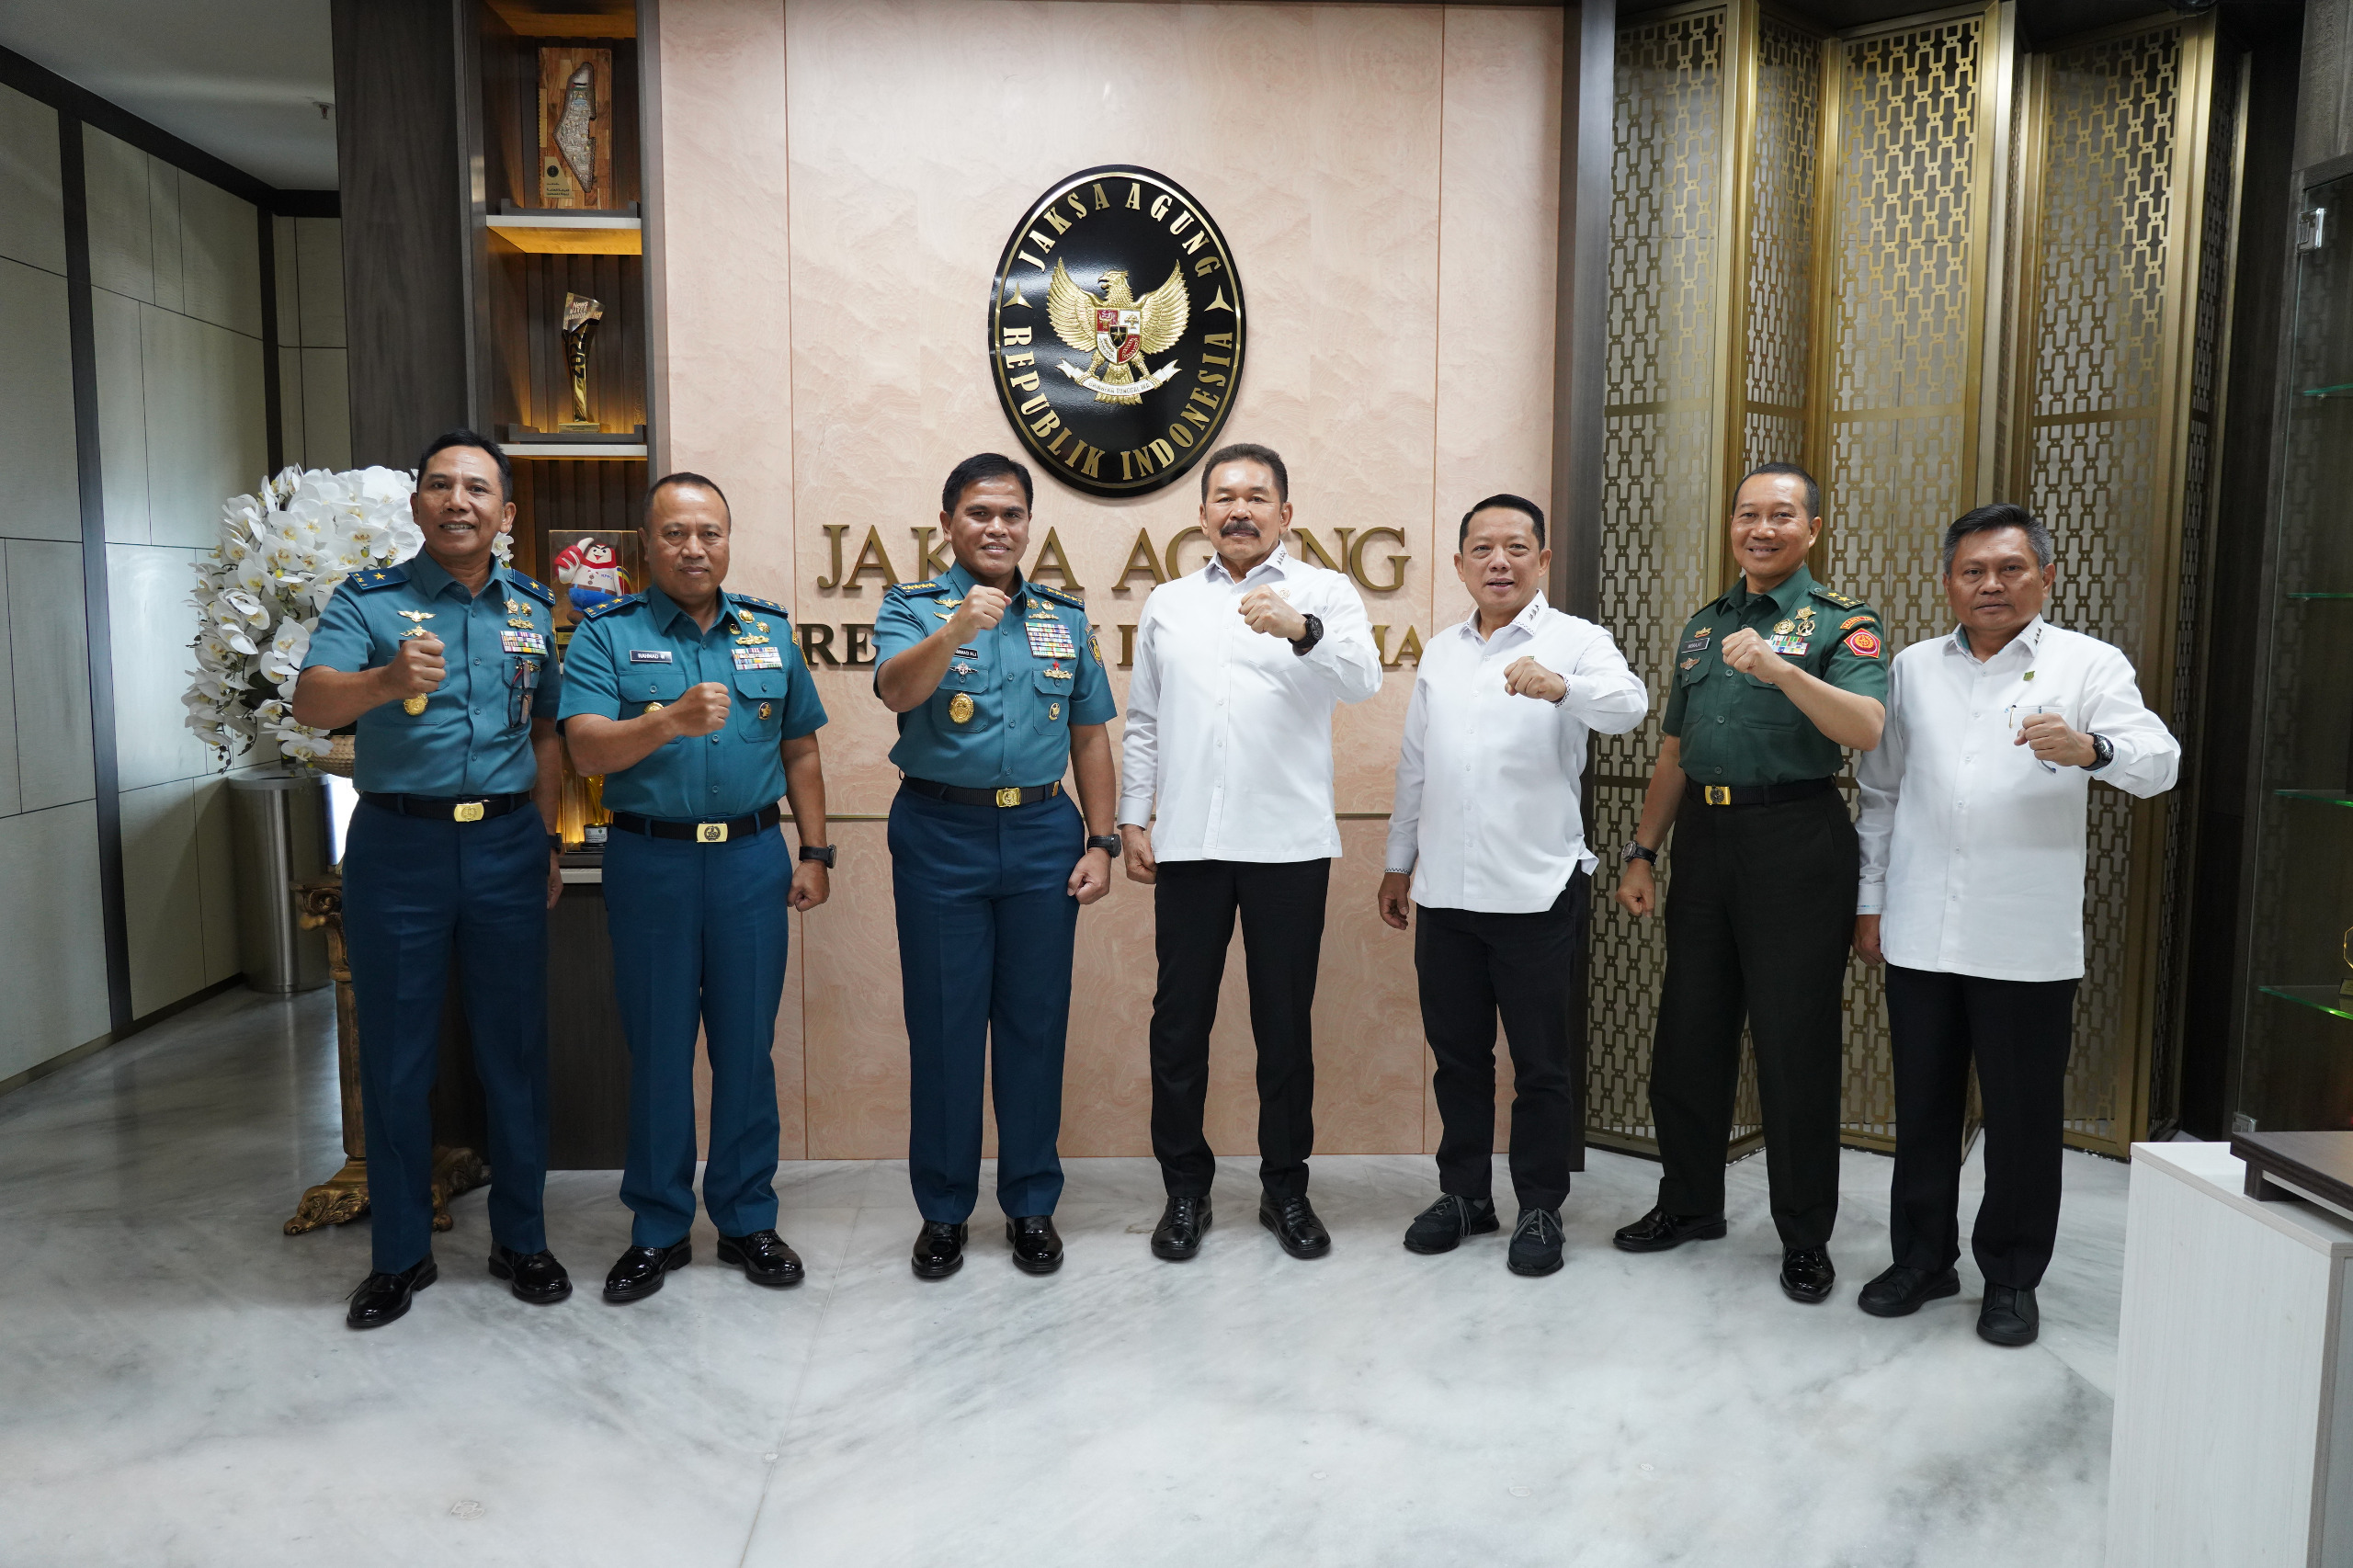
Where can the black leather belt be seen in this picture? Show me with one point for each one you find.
(955, 795)
(449, 808)
(700, 832)
(1755, 794)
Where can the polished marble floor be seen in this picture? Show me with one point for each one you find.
(179, 1387)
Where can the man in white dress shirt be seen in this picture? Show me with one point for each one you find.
(1237, 669)
(1973, 833)
(1486, 838)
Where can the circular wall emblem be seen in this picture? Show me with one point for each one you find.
(1116, 330)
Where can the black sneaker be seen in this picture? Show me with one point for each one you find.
(1442, 1225)
(2009, 1316)
(1536, 1243)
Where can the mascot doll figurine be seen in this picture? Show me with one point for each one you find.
(591, 571)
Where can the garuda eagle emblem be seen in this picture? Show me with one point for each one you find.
(1117, 331)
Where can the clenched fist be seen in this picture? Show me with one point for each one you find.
(1526, 677)
(701, 711)
(982, 608)
(1265, 611)
(416, 668)
(1750, 654)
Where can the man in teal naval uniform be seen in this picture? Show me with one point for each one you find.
(999, 689)
(446, 663)
(695, 706)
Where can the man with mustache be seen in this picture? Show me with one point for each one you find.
(1237, 669)
(446, 665)
(1772, 682)
(1487, 839)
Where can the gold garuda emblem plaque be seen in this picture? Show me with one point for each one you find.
(1116, 330)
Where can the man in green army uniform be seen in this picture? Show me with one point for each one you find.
(1770, 681)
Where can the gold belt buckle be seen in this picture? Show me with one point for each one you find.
(468, 811)
(1718, 794)
(710, 832)
(1008, 797)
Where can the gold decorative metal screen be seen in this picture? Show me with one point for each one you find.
(1883, 184)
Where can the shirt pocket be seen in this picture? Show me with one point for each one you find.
(759, 704)
(1765, 704)
(965, 675)
(1056, 690)
(644, 684)
(1700, 663)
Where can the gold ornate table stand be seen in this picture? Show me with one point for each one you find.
(342, 1197)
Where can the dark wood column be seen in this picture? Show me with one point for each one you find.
(399, 66)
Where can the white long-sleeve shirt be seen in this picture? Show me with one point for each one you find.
(1972, 848)
(1487, 814)
(1231, 729)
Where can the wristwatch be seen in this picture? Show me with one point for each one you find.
(821, 853)
(1307, 640)
(1108, 842)
(2103, 753)
(555, 844)
(1635, 851)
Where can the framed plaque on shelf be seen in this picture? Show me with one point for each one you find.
(575, 127)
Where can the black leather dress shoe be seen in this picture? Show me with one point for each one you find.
(2009, 1316)
(1442, 1225)
(1036, 1248)
(1901, 1291)
(763, 1258)
(639, 1272)
(1295, 1225)
(1535, 1244)
(939, 1250)
(382, 1297)
(535, 1277)
(1182, 1225)
(1806, 1275)
(1658, 1231)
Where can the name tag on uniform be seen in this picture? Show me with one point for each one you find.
(1794, 647)
(1697, 645)
(967, 652)
(769, 657)
(523, 642)
(649, 655)
(1050, 640)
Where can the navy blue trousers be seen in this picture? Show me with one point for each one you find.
(410, 887)
(699, 942)
(987, 926)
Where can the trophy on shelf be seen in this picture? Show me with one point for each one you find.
(576, 126)
(581, 316)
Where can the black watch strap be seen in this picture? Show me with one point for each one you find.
(821, 853)
(2103, 753)
(555, 844)
(1105, 842)
(1305, 643)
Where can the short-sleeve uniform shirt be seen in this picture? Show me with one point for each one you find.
(1741, 731)
(639, 654)
(474, 736)
(1002, 716)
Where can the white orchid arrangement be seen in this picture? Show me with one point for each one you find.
(259, 594)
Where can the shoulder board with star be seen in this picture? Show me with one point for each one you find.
(532, 586)
(376, 577)
(610, 605)
(768, 605)
(1055, 595)
(1841, 600)
(931, 590)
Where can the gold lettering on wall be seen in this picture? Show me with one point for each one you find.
(931, 560)
(1396, 562)
(833, 576)
(872, 557)
(1051, 559)
(1141, 558)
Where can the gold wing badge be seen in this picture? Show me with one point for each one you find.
(1117, 331)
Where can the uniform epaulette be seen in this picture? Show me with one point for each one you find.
(1841, 600)
(537, 589)
(931, 589)
(768, 605)
(1057, 596)
(612, 604)
(377, 577)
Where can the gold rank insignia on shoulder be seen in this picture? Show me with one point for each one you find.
(959, 707)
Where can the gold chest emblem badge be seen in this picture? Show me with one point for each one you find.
(959, 707)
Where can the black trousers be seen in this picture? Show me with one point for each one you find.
(1759, 918)
(1282, 906)
(1474, 966)
(2019, 1031)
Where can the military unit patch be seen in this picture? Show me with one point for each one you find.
(1865, 643)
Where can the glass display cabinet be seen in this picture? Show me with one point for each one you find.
(2295, 1064)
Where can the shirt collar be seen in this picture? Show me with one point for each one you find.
(2029, 637)
(667, 612)
(1527, 620)
(433, 578)
(1786, 597)
(1278, 561)
(963, 582)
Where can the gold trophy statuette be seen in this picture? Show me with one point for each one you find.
(412, 705)
(581, 316)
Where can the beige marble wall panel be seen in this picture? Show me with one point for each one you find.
(826, 362)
